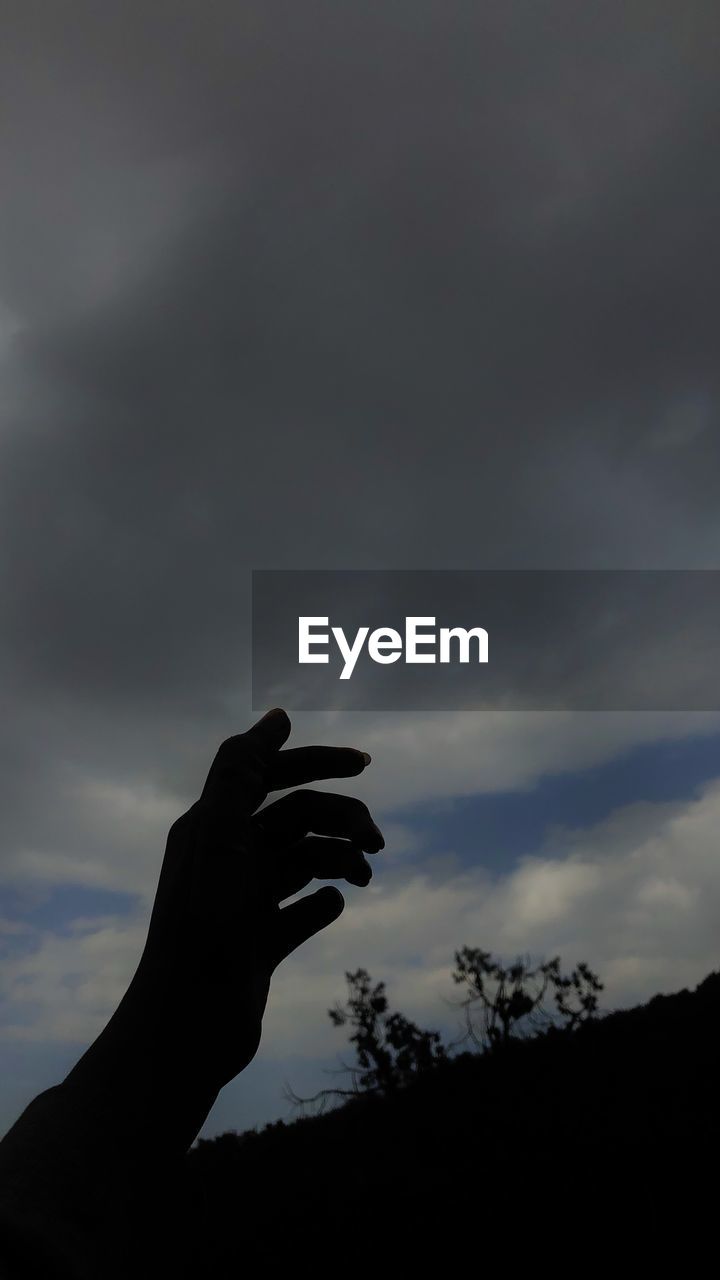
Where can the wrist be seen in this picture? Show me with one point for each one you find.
(144, 1076)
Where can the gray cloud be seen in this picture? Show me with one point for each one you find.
(423, 288)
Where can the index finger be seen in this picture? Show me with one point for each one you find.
(309, 764)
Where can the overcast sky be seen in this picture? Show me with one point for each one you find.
(321, 285)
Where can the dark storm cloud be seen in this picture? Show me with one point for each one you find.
(316, 285)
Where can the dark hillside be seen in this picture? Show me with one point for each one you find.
(596, 1126)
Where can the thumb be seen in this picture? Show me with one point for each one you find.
(302, 919)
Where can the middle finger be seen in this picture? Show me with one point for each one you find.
(325, 814)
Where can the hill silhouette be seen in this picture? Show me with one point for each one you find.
(568, 1134)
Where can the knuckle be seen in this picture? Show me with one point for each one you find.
(230, 749)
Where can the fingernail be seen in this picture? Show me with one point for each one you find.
(367, 758)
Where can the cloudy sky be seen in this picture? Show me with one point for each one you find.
(302, 284)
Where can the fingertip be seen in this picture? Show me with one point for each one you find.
(333, 900)
(375, 841)
(359, 760)
(272, 729)
(278, 714)
(361, 873)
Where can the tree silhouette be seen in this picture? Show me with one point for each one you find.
(576, 996)
(391, 1050)
(501, 1003)
(508, 1002)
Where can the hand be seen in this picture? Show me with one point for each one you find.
(191, 1018)
(217, 930)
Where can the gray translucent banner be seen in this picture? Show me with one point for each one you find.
(597, 640)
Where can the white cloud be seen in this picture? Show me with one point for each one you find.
(65, 988)
(637, 896)
(109, 832)
(105, 835)
(438, 755)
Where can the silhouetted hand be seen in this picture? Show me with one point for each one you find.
(104, 1143)
(191, 1018)
(217, 930)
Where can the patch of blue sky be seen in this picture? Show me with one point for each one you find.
(496, 830)
(56, 908)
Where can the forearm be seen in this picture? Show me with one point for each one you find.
(89, 1157)
(143, 1082)
(85, 1160)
